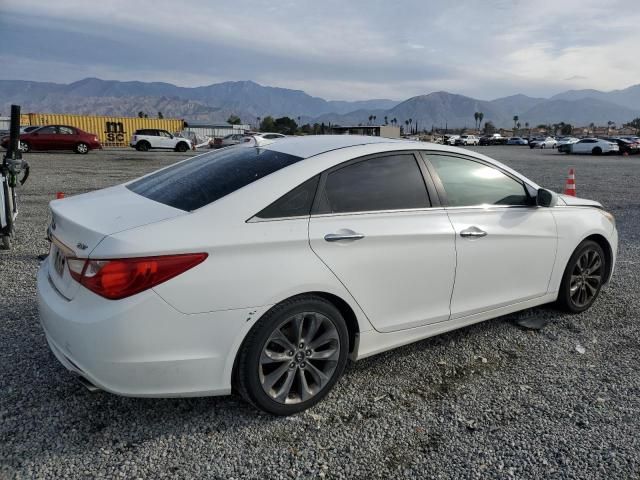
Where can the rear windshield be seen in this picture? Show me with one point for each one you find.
(204, 179)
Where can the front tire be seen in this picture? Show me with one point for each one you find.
(583, 277)
(25, 147)
(182, 147)
(293, 356)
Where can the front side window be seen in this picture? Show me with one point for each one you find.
(164, 133)
(470, 183)
(201, 180)
(392, 182)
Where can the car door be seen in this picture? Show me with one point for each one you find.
(165, 139)
(66, 138)
(43, 138)
(375, 227)
(583, 146)
(505, 244)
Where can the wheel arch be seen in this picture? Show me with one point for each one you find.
(608, 251)
(346, 310)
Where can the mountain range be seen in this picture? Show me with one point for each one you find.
(249, 100)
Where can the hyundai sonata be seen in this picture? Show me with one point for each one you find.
(262, 269)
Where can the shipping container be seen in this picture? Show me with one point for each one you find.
(112, 131)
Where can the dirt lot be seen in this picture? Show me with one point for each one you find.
(493, 400)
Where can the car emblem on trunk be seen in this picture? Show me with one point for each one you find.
(81, 246)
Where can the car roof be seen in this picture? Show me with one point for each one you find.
(309, 146)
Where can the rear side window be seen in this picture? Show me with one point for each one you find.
(295, 203)
(206, 178)
(392, 182)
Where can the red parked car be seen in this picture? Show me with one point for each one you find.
(57, 137)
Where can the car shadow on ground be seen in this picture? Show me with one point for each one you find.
(85, 420)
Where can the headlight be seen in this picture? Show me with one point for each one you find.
(610, 217)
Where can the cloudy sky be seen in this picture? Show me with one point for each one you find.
(336, 49)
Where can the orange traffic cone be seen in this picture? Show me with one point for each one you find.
(570, 184)
(59, 195)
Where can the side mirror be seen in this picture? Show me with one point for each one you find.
(546, 198)
(170, 136)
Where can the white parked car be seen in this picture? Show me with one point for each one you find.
(264, 136)
(451, 139)
(145, 139)
(548, 142)
(594, 146)
(467, 140)
(267, 268)
(517, 141)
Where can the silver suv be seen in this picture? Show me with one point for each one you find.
(145, 139)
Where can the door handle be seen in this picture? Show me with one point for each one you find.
(349, 235)
(473, 232)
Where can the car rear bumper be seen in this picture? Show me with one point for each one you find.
(141, 346)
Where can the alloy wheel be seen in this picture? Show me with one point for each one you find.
(299, 358)
(586, 278)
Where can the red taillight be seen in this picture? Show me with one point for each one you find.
(119, 278)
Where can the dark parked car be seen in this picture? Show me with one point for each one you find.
(57, 137)
(626, 146)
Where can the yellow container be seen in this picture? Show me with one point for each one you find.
(111, 131)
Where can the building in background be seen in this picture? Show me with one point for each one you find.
(387, 131)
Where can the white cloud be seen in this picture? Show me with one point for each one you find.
(350, 50)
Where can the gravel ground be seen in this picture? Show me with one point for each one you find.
(493, 400)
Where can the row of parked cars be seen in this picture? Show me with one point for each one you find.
(597, 146)
(65, 137)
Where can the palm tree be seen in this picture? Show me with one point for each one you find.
(374, 119)
(395, 120)
(258, 121)
(515, 121)
(592, 126)
(609, 123)
(475, 117)
(410, 122)
(385, 120)
(480, 117)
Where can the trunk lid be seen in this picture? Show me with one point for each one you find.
(80, 223)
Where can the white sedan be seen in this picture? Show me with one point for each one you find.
(264, 269)
(548, 142)
(594, 146)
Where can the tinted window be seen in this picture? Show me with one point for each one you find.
(296, 203)
(384, 183)
(201, 180)
(47, 131)
(469, 183)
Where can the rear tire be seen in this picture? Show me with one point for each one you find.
(293, 356)
(143, 146)
(583, 277)
(597, 151)
(81, 148)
